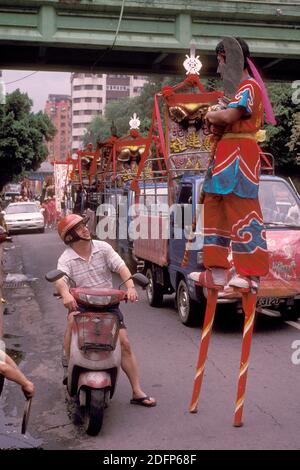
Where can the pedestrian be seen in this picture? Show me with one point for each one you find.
(46, 212)
(232, 213)
(90, 263)
(52, 212)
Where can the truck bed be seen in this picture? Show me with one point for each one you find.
(152, 245)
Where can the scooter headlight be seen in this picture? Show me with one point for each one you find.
(96, 300)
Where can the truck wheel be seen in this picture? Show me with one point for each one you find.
(189, 311)
(94, 411)
(154, 290)
(292, 314)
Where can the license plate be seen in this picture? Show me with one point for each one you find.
(268, 301)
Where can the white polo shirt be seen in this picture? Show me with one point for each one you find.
(97, 270)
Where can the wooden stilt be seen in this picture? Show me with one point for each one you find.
(249, 307)
(212, 298)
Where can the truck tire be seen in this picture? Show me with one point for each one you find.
(291, 314)
(189, 311)
(154, 290)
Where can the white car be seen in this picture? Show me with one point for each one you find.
(23, 216)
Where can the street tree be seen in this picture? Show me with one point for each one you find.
(120, 111)
(97, 131)
(22, 137)
(283, 139)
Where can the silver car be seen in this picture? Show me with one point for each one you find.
(23, 216)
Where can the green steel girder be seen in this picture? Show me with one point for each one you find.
(154, 34)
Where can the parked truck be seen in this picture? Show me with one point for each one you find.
(161, 258)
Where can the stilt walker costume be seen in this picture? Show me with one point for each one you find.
(232, 214)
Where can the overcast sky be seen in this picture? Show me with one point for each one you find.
(39, 85)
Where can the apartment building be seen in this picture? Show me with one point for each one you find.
(88, 100)
(92, 92)
(58, 108)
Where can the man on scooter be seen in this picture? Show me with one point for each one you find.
(90, 263)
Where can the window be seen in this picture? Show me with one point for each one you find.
(77, 100)
(185, 196)
(99, 87)
(22, 209)
(117, 87)
(77, 87)
(88, 100)
(183, 211)
(278, 203)
(88, 87)
(88, 112)
(76, 113)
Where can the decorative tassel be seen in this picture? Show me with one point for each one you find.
(270, 118)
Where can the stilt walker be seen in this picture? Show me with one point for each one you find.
(232, 214)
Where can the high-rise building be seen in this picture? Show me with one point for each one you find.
(88, 100)
(92, 92)
(58, 108)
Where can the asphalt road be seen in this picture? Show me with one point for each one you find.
(167, 353)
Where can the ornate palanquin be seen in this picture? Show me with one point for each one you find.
(183, 140)
(120, 156)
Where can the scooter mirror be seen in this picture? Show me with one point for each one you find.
(140, 279)
(54, 275)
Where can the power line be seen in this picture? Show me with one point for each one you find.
(22, 78)
(115, 38)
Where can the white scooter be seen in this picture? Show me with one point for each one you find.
(95, 353)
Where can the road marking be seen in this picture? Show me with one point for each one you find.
(269, 313)
(272, 313)
(294, 324)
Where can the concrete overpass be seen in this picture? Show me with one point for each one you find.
(153, 35)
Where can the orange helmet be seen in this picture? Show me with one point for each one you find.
(67, 224)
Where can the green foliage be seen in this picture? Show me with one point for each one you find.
(22, 137)
(283, 139)
(97, 131)
(119, 112)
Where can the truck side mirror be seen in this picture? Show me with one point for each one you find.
(141, 280)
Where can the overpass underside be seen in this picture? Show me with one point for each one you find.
(154, 35)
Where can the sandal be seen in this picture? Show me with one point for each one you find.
(142, 401)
